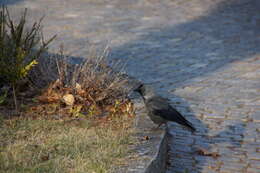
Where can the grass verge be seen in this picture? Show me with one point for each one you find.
(40, 145)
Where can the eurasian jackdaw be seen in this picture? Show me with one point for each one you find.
(159, 109)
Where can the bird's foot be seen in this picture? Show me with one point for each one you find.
(158, 127)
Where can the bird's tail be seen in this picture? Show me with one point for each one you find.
(181, 120)
(189, 126)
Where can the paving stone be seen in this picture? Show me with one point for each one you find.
(255, 116)
(232, 166)
(253, 155)
(255, 164)
(252, 170)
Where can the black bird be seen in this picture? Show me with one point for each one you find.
(159, 109)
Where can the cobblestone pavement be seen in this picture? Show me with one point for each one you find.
(204, 55)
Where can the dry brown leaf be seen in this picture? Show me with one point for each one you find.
(204, 152)
(68, 99)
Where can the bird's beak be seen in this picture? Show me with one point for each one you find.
(138, 89)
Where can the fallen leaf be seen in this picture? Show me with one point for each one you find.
(204, 152)
(68, 99)
(45, 157)
(146, 138)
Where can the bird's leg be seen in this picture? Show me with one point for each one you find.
(160, 125)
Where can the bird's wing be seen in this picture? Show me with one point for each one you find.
(161, 107)
(157, 103)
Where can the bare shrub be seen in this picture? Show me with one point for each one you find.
(96, 87)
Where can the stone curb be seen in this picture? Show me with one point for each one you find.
(151, 149)
(158, 161)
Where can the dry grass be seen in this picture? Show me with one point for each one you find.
(29, 145)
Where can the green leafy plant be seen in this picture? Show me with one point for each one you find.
(3, 96)
(19, 49)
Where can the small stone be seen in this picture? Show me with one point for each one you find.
(68, 99)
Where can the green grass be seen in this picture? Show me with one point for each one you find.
(36, 146)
